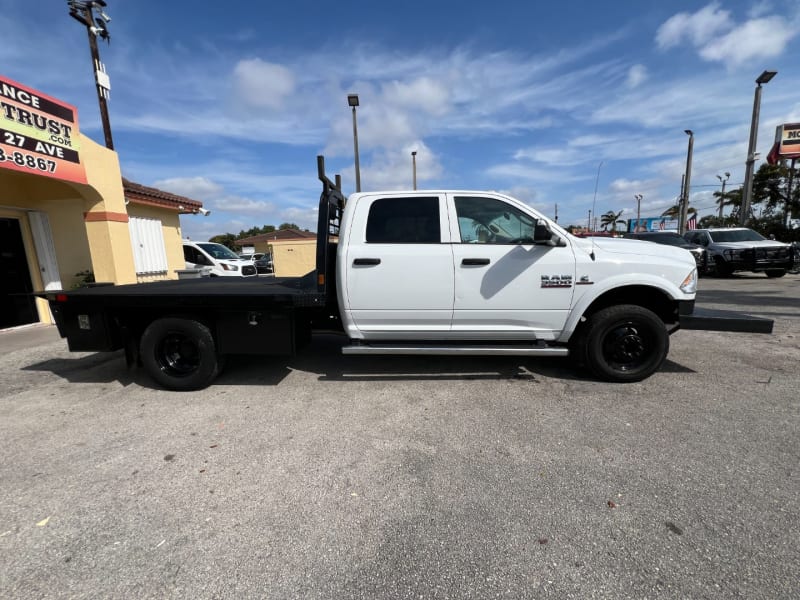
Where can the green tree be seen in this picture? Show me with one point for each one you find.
(777, 189)
(673, 212)
(611, 219)
(226, 239)
(283, 226)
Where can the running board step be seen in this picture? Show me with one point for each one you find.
(468, 350)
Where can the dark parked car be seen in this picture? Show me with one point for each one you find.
(262, 262)
(671, 238)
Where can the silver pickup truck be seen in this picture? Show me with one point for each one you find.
(741, 249)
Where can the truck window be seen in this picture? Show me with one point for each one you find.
(492, 221)
(404, 221)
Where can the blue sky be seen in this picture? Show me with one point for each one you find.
(230, 102)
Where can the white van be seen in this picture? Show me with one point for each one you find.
(220, 260)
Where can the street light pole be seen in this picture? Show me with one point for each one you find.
(638, 211)
(747, 193)
(686, 184)
(722, 193)
(352, 100)
(414, 167)
(81, 11)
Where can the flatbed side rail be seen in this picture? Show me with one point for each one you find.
(331, 205)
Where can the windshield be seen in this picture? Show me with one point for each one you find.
(736, 235)
(219, 251)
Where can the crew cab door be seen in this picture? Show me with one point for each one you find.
(398, 270)
(506, 287)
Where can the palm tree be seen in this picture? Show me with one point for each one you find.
(673, 212)
(611, 218)
(730, 198)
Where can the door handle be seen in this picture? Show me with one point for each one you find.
(471, 262)
(367, 261)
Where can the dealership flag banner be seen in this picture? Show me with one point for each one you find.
(38, 134)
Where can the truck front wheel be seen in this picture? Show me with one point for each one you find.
(624, 343)
(179, 354)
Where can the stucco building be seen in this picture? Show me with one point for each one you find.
(294, 252)
(67, 215)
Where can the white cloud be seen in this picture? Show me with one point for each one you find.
(759, 9)
(698, 27)
(197, 188)
(718, 39)
(626, 185)
(421, 93)
(260, 84)
(637, 74)
(247, 206)
(758, 38)
(392, 169)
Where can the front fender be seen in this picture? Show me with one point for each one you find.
(617, 282)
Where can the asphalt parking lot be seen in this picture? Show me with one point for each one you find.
(327, 476)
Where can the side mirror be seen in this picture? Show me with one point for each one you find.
(544, 236)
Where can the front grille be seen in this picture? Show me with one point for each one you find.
(248, 270)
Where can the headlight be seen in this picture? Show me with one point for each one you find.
(689, 285)
(228, 267)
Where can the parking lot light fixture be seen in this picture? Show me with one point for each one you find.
(684, 206)
(414, 168)
(352, 101)
(747, 193)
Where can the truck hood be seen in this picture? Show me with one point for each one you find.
(756, 244)
(638, 247)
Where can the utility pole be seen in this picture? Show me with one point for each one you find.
(722, 193)
(589, 223)
(82, 11)
(556, 219)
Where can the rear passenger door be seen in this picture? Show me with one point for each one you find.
(399, 273)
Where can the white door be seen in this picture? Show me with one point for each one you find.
(45, 250)
(399, 274)
(505, 286)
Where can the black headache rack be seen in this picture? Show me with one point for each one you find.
(329, 220)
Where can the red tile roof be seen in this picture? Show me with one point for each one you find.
(141, 194)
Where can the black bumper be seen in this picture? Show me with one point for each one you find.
(708, 319)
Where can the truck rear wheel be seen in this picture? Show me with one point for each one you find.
(625, 343)
(775, 272)
(179, 354)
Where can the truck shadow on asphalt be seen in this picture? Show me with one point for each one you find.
(323, 357)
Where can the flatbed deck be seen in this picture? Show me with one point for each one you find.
(204, 291)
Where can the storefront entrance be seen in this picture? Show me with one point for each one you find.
(15, 278)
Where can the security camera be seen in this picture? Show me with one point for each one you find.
(204, 212)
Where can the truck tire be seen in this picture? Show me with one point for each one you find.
(179, 354)
(721, 268)
(775, 272)
(624, 343)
